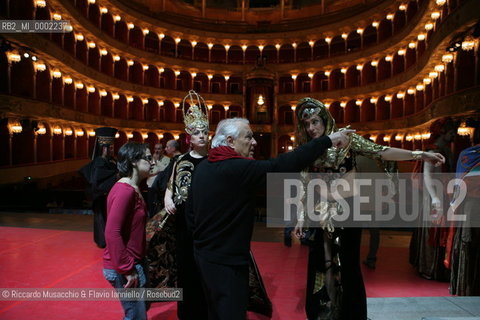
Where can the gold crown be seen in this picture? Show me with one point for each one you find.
(195, 114)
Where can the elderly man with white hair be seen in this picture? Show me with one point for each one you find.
(221, 209)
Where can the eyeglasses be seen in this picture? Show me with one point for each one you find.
(147, 158)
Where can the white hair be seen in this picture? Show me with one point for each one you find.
(227, 128)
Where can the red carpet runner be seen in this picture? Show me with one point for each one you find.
(39, 258)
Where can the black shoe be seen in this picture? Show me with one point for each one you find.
(287, 241)
(370, 264)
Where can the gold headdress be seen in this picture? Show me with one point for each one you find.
(195, 116)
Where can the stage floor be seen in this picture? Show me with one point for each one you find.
(57, 251)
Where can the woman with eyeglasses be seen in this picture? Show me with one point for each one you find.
(125, 230)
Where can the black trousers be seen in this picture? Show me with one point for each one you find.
(354, 298)
(194, 305)
(226, 289)
(99, 208)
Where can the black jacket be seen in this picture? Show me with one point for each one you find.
(221, 206)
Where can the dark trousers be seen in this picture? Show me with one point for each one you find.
(316, 262)
(354, 297)
(99, 207)
(194, 305)
(226, 289)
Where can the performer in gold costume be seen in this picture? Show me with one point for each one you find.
(335, 292)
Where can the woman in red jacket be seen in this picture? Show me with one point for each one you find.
(125, 229)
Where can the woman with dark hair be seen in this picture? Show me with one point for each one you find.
(335, 287)
(125, 229)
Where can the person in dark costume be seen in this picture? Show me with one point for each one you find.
(170, 248)
(428, 243)
(464, 260)
(101, 175)
(220, 210)
(335, 288)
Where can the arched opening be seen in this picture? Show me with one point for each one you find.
(337, 80)
(235, 112)
(218, 54)
(184, 49)
(383, 109)
(384, 70)
(370, 36)
(184, 81)
(235, 55)
(320, 82)
(136, 38)
(270, 54)
(22, 145)
(397, 107)
(121, 31)
(352, 77)
(336, 111)
(69, 143)
(201, 52)
(81, 99)
(94, 58)
(69, 93)
(135, 109)
(106, 103)
(42, 84)
(57, 91)
(152, 42)
(152, 77)
(22, 75)
(337, 46)
(352, 112)
(136, 73)
(120, 108)
(369, 74)
(218, 84)
(121, 69)
(81, 51)
(168, 46)
(399, 21)
(120, 141)
(252, 54)
(94, 103)
(398, 64)
(217, 113)
(320, 49)
(304, 52)
(58, 144)
(106, 64)
(286, 53)
(200, 83)
(152, 111)
(167, 79)
(384, 30)
(354, 42)
(108, 25)
(94, 14)
(44, 143)
(367, 111)
(69, 42)
(168, 112)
